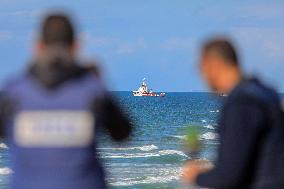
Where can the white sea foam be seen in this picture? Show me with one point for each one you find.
(146, 180)
(151, 175)
(170, 152)
(146, 173)
(3, 145)
(5, 171)
(209, 136)
(128, 155)
(209, 126)
(148, 148)
(179, 136)
(203, 121)
(215, 111)
(145, 148)
(143, 155)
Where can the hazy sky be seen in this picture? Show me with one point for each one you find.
(156, 39)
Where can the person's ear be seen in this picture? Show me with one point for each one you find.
(39, 48)
(74, 48)
(204, 68)
(202, 65)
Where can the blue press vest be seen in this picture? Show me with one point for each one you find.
(51, 134)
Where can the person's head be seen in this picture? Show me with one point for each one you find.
(219, 65)
(57, 30)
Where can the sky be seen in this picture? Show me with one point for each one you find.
(154, 39)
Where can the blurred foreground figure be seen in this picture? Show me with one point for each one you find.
(52, 112)
(251, 129)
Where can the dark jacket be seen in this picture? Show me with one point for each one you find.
(245, 127)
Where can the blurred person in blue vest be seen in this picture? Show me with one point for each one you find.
(52, 112)
(251, 127)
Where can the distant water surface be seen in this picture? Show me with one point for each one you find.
(154, 156)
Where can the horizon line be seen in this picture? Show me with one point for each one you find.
(282, 92)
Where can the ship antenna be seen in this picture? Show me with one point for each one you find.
(144, 81)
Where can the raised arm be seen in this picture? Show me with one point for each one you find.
(113, 118)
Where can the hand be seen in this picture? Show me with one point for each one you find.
(192, 169)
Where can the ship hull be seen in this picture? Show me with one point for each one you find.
(150, 94)
(144, 91)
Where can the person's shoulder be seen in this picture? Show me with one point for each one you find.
(15, 81)
(13, 86)
(255, 91)
(91, 79)
(88, 76)
(92, 82)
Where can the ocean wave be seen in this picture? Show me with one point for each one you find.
(209, 136)
(5, 171)
(146, 180)
(143, 155)
(3, 145)
(204, 136)
(215, 111)
(170, 152)
(152, 176)
(148, 148)
(182, 137)
(149, 175)
(209, 126)
(145, 148)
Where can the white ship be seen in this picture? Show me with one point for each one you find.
(144, 91)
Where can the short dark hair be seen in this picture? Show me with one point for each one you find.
(223, 48)
(57, 29)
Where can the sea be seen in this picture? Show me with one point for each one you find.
(153, 156)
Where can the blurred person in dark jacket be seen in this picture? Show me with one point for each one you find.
(251, 150)
(52, 112)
